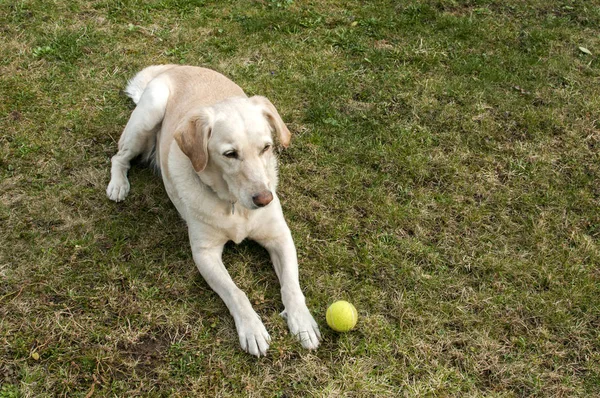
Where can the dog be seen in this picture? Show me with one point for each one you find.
(215, 150)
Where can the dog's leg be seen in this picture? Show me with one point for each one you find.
(300, 322)
(252, 334)
(138, 136)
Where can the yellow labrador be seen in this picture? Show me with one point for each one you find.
(214, 148)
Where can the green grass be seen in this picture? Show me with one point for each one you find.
(444, 176)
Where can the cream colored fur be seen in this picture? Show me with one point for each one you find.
(194, 120)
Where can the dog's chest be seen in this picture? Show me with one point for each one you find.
(237, 232)
(238, 226)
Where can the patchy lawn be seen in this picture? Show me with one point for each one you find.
(444, 176)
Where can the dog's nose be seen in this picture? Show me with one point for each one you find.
(262, 199)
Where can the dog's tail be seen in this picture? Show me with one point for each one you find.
(137, 85)
(135, 88)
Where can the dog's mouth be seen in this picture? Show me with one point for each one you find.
(258, 201)
(252, 199)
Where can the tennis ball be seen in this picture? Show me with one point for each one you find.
(341, 316)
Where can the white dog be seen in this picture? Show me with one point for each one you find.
(214, 148)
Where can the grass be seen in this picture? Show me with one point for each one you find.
(444, 177)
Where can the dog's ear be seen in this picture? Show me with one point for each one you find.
(192, 136)
(274, 119)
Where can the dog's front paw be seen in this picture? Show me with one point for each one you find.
(253, 336)
(117, 189)
(302, 325)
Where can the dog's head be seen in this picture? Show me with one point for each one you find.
(230, 146)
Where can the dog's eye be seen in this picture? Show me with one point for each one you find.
(266, 148)
(231, 154)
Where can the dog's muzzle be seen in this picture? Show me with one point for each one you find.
(262, 199)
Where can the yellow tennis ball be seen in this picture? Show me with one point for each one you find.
(341, 316)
